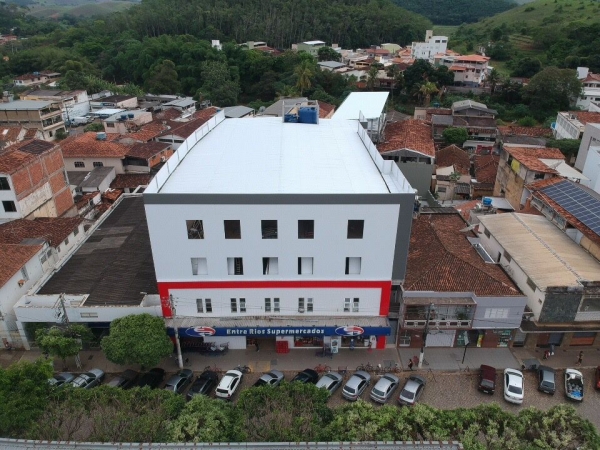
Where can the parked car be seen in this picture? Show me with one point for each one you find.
(272, 378)
(178, 382)
(307, 376)
(384, 388)
(76, 121)
(546, 380)
(331, 381)
(229, 383)
(597, 383)
(513, 386)
(356, 385)
(61, 379)
(204, 384)
(152, 378)
(574, 384)
(412, 391)
(89, 379)
(487, 379)
(126, 380)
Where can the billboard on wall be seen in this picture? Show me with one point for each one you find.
(201, 330)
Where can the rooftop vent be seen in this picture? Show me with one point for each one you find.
(101, 136)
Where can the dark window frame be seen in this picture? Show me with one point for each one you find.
(269, 229)
(232, 229)
(306, 229)
(356, 229)
(4, 184)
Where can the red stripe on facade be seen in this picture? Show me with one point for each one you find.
(165, 287)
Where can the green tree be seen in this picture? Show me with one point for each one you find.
(137, 339)
(493, 79)
(527, 121)
(94, 127)
(551, 90)
(218, 85)
(526, 67)
(24, 393)
(63, 342)
(456, 136)
(328, 54)
(304, 73)
(569, 147)
(372, 76)
(426, 90)
(163, 78)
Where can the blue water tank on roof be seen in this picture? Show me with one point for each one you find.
(308, 115)
(290, 118)
(131, 116)
(487, 201)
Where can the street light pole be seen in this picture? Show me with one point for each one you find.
(425, 332)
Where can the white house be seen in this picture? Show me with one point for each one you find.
(590, 138)
(296, 236)
(591, 87)
(432, 46)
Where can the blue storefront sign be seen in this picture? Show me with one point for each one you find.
(201, 331)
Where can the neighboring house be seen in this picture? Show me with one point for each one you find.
(33, 182)
(589, 141)
(367, 107)
(410, 145)
(114, 102)
(519, 167)
(180, 131)
(571, 124)
(305, 235)
(471, 210)
(431, 47)
(98, 180)
(237, 112)
(590, 88)
(253, 45)
(143, 157)
(11, 135)
(523, 136)
(485, 169)
(110, 275)
(73, 103)
(326, 110)
(392, 48)
(481, 131)
(31, 79)
(469, 70)
(185, 105)
(472, 109)
(449, 161)
(43, 116)
(573, 208)
(377, 52)
(469, 299)
(311, 47)
(128, 121)
(84, 152)
(331, 66)
(131, 182)
(561, 280)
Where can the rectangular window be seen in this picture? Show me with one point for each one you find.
(235, 266)
(195, 229)
(270, 266)
(487, 232)
(268, 229)
(24, 273)
(9, 206)
(208, 305)
(79, 164)
(353, 265)
(66, 242)
(441, 189)
(305, 266)
(309, 305)
(233, 229)
(507, 256)
(267, 305)
(4, 184)
(98, 164)
(306, 229)
(531, 284)
(199, 305)
(89, 314)
(242, 305)
(355, 305)
(355, 229)
(199, 266)
(234, 305)
(43, 259)
(346, 305)
(76, 231)
(110, 124)
(276, 307)
(301, 304)
(496, 313)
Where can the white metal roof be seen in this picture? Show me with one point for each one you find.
(24, 105)
(546, 254)
(564, 170)
(107, 111)
(268, 156)
(313, 42)
(371, 104)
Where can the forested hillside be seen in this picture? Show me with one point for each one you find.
(456, 12)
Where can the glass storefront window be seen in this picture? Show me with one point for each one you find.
(308, 341)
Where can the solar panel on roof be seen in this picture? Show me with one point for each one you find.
(581, 204)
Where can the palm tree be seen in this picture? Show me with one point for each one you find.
(427, 89)
(287, 91)
(493, 79)
(304, 74)
(372, 77)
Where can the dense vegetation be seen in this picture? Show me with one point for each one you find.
(456, 12)
(292, 412)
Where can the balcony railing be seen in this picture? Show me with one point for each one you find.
(451, 323)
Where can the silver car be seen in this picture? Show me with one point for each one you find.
(384, 388)
(412, 390)
(356, 385)
(89, 379)
(330, 381)
(272, 378)
(61, 379)
(178, 382)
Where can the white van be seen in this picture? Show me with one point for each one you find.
(76, 121)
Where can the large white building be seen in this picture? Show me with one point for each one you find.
(294, 232)
(432, 46)
(590, 92)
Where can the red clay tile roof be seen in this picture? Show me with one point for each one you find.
(586, 117)
(111, 195)
(130, 180)
(441, 259)
(457, 68)
(465, 208)
(591, 77)
(31, 133)
(205, 113)
(325, 109)
(453, 155)
(86, 145)
(410, 134)
(146, 150)
(13, 258)
(29, 76)
(52, 230)
(85, 199)
(486, 168)
(530, 157)
(148, 131)
(9, 134)
(13, 158)
(526, 131)
(472, 58)
(185, 129)
(167, 114)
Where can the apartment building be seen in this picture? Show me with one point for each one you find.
(298, 237)
(73, 103)
(432, 46)
(43, 116)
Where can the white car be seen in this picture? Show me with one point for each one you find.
(514, 388)
(229, 383)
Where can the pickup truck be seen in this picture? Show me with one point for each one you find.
(574, 385)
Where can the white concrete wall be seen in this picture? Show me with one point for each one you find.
(103, 313)
(591, 169)
(564, 129)
(426, 50)
(117, 163)
(329, 248)
(590, 94)
(40, 198)
(71, 241)
(590, 138)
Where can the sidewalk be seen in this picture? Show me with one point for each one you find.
(562, 358)
(450, 359)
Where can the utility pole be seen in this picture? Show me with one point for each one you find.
(65, 320)
(177, 343)
(425, 332)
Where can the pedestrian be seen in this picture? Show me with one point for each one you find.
(256, 343)
(546, 354)
(410, 364)
(580, 358)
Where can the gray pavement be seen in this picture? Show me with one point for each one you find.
(451, 359)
